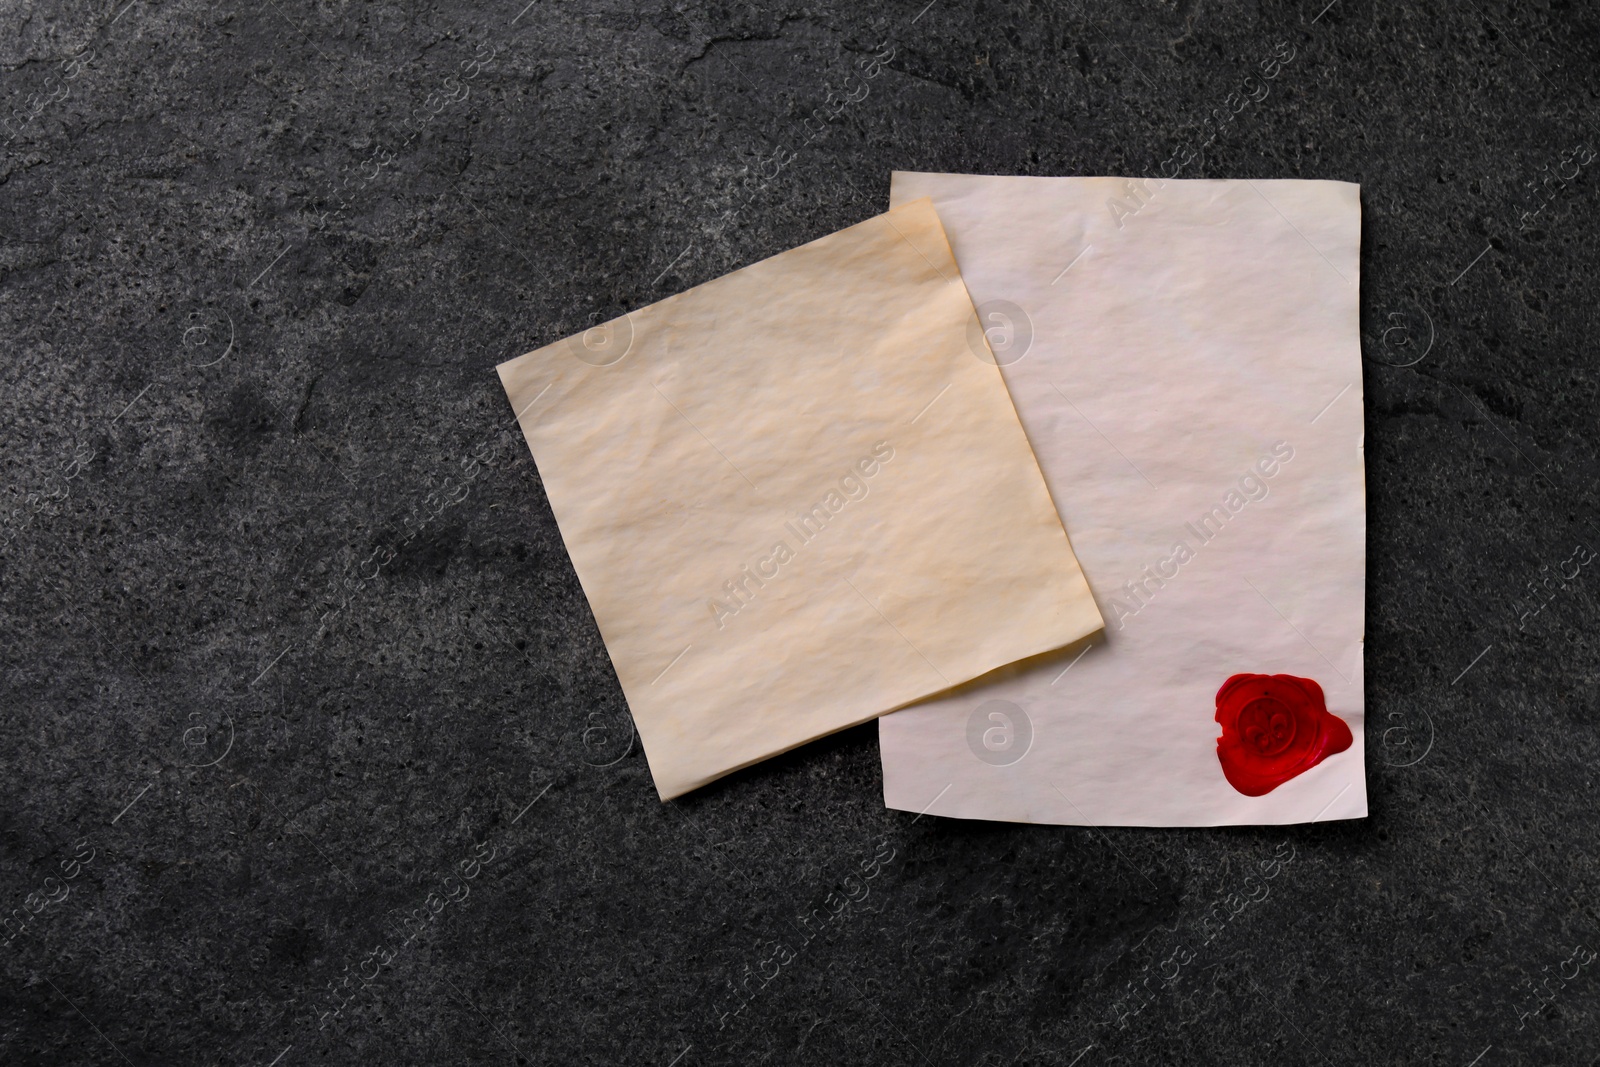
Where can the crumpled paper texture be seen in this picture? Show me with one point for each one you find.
(1185, 358)
(798, 497)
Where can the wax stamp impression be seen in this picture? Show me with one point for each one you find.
(1274, 727)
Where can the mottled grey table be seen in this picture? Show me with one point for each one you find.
(312, 752)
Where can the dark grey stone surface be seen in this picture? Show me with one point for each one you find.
(291, 643)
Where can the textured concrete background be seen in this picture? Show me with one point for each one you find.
(312, 752)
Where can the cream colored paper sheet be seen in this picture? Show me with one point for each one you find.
(798, 497)
(1165, 344)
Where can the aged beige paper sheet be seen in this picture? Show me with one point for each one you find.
(798, 497)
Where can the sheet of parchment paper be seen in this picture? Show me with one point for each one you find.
(1185, 358)
(798, 497)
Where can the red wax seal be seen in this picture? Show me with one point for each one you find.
(1274, 726)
